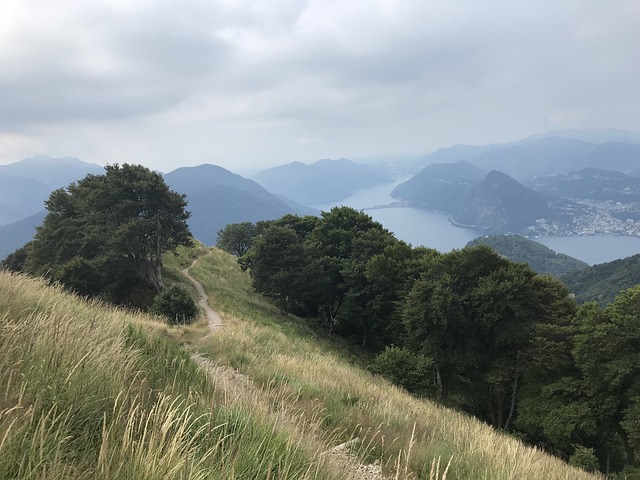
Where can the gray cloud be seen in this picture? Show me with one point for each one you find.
(254, 82)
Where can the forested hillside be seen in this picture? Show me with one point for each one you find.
(469, 329)
(540, 258)
(601, 283)
(95, 392)
(494, 201)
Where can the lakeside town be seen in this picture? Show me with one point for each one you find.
(591, 218)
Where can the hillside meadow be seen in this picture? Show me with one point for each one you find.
(89, 391)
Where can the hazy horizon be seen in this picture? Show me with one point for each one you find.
(255, 83)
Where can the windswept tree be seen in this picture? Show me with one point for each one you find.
(105, 235)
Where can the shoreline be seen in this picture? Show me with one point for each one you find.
(493, 231)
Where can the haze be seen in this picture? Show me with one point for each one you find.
(255, 83)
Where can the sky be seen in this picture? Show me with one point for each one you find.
(249, 84)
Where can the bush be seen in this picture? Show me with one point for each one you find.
(584, 458)
(407, 369)
(175, 304)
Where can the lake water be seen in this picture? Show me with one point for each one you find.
(421, 227)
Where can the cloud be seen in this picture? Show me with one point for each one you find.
(244, 81)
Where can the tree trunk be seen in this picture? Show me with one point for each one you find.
(158, 259)
(513, 401)
(439, 384)
(492, 411)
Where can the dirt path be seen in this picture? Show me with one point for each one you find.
(213, 317)
(237, 385)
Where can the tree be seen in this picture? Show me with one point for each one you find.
(342, 243)
(107, 233)
(277, 262)
(14, 262)
(473, 312)
(236, 238)
(175, 304)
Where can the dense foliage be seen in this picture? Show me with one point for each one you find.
(470, 329)
(105, 235)
(236, 238)
(540, 258)
(601, 283)
(175, 304)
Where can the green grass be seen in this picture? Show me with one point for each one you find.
(93, 392)
(88, 391)
(316, 379)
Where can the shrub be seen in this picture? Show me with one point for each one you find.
(410, 370)
(584, 458)
(175, 304)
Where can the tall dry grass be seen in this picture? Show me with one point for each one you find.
(311, 378)
(89, 391)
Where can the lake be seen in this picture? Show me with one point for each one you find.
(421, 227)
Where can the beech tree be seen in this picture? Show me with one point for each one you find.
(237, 238)
(105, 234)
(474, 313)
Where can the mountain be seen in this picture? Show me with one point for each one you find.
(324, 181)
(591, 135)
(540, 258)
(440, 186)
(548, 155)
(622, 157)
(501, 203)
(21, 197)
(16, 234)
(55, 172)
(25, 185)
(601, 283)
(456, 153)
(218, 197)
(591, 184)
(551, 153)
(495, 201)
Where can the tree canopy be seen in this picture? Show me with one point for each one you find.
(105, 234)
(468, 328)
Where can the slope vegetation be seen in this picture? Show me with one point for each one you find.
(89, 391)
(540, 258)
(601, 283)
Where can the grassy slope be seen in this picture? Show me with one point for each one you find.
(314, 378)
(92, 392)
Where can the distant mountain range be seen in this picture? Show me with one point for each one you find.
(325, 181)
(591, 184)
(559, 183)
(549, 154)
(25, 185)
(218, 197)
(494, 201)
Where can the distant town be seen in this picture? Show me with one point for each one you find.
(592, 218)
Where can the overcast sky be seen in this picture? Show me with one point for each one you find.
(248, 84)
